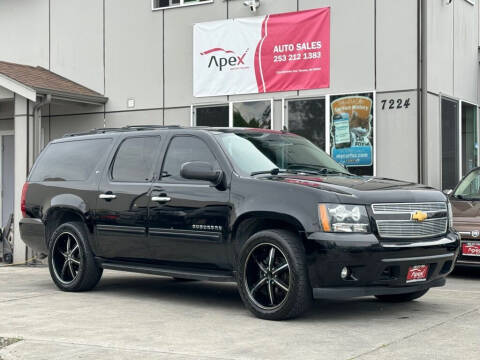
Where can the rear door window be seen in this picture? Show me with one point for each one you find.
(135, 159)
(70, 160)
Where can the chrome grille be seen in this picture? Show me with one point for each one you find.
(404, 229)
(393, 220)
(399, 208)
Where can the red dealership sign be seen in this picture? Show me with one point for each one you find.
(272, 53)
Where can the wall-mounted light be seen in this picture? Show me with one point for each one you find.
(252, 4)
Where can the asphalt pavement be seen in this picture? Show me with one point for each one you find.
(130, 316)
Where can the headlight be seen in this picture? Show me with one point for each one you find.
(343, 218)
(450, 215)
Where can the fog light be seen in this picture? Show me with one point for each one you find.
(345, 273)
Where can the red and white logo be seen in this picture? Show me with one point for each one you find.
(417, 273)
(221, 59)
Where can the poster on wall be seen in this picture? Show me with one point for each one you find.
(351, 132)
(271, 53)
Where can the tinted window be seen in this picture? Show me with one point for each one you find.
(70, 161)
(216, 116)
(184, 149)
(135, 159)
(307, 118)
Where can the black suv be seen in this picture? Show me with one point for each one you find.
(265, 209)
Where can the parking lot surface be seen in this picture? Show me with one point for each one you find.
(132, 316)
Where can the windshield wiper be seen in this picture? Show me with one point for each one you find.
(273, 171)
(315, 170)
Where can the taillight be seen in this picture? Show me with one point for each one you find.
(23, 204)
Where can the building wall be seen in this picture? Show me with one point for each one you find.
(125, 50)
(24, 29)
(453, 68)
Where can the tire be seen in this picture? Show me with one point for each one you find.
(270, 289)
(8, 258)
(70, 261)
(402, 297)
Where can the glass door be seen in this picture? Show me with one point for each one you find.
(306, 117)
(450, 143)
(253, 114)
(469, 137)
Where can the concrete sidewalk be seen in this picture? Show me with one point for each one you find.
(137, 316)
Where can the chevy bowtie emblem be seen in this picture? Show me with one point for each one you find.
(419, 216)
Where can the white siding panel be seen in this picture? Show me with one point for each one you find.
(24, 32)
(77, 41)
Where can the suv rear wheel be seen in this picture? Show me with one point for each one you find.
(402, 297)
(273, 278)
(71, 262)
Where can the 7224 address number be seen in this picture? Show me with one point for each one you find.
(393, 104)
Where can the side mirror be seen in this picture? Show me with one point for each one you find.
(448, 192)
(199, 170)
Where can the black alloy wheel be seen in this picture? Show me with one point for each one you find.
(71, 262)
(267, 276)
(273, 276)
(66, 258)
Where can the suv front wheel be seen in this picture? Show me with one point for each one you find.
(273, 279)
(71, 262)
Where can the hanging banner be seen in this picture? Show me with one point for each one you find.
(280, 52)
(351, 130)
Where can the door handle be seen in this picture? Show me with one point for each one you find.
(107, 196)
(161, 198)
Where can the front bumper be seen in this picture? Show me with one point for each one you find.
(467, 260)
(377, 267)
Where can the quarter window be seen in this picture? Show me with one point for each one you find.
(70, 160)
(184, 149)
(135, 159)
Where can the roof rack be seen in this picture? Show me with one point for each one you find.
(122, 129)
(150, 127)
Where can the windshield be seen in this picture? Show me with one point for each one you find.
(469, 188)
(253, 152)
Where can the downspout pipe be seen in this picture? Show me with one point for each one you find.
(423, 97)
(37, 122)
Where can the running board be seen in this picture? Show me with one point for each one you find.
(194, 274)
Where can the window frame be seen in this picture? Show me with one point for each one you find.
(165, 180)
(114, 158)
(182, 4)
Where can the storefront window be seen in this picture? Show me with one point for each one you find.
(450, 168)
(307, 118)
(253, 114)
(469, 138)
(216, 116)
(351, 132)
